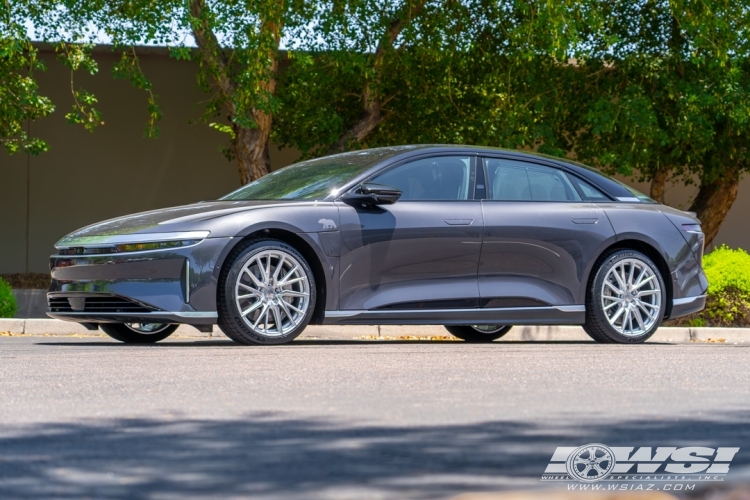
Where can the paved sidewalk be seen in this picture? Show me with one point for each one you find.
(326, 332)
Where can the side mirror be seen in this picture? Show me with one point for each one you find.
(372, 194)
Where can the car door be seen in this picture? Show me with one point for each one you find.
(540, 235)
(421, 252)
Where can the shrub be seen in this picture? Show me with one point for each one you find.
(728, 301)
(7, 300)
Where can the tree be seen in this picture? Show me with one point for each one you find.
(237, 56)
(661, 90)
(20, 100)
(414, 71)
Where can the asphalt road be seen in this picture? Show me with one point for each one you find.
(90, 418)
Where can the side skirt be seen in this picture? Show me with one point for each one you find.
(553, 315)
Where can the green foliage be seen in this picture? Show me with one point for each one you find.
(20, 100)
(129, 68)
(728, 301)
(727, 268)
(8, 305)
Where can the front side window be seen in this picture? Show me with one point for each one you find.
(441, 178)
(509, 180)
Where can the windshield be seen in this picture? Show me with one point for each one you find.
(312, 179)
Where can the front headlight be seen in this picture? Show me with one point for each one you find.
(93, 245)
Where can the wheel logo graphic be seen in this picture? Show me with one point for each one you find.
(589, 463)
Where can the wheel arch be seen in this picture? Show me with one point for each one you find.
(649, 251)
(300, 244)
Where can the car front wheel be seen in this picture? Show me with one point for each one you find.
(138, 333)
(266, 295)
(478, 333)
(626, 299)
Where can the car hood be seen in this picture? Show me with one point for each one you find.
(172, 219)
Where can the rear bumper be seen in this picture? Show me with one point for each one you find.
(687, 305)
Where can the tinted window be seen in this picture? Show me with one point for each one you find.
(590, 193)
(312, 179)
(519, 181)
(440, 178)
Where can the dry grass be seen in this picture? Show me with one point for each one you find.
(27, 280)
(432, 338)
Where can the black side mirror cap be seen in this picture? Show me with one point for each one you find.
(369, 194)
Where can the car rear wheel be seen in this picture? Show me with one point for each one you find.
(478, 333)
(138, 333)
(266, 295)
(626, 300)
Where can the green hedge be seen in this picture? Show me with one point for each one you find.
(7, 300)
(728, 301)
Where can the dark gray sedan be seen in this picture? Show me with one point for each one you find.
(476, 239)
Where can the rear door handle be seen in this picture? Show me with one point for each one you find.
(459, 222)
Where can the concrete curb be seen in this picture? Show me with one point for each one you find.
(388, 332)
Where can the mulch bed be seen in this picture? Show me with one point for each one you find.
(27, 280)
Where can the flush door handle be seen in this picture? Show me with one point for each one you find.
(459, 222)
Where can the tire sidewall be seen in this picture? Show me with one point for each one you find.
(608, 331)
(469, 334)
(120, 332)
(230, 320)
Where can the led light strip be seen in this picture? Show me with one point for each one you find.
(129, 239)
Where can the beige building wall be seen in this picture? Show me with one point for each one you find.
(88, 177)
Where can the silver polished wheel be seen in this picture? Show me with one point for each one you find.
(631, 298)
(147, 328)
(488, 329)
(272, 293)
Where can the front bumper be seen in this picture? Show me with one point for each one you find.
(168, 285)
(191, 318)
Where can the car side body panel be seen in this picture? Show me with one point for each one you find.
(650, 225)
(540, 250)
(410, 252)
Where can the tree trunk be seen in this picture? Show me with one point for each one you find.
(658, 184)
(250, 148)
(713, 202)
(370, 118)
(372, 101)
(250, 145)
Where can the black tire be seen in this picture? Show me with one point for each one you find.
(472, 334)
(127, 334)
(236, 326)
(640, 317)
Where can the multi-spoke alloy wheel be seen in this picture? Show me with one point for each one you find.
(267, 296)
(272, 293)
(631, 297)
(625, 302)
(478, 333)
(138, 333)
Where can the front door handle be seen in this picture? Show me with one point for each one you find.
(459, 222)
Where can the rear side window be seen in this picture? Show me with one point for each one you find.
(589, 192)
(509, 180)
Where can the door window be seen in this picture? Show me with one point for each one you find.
(589, 192)
(510, 180)
(441, 178)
